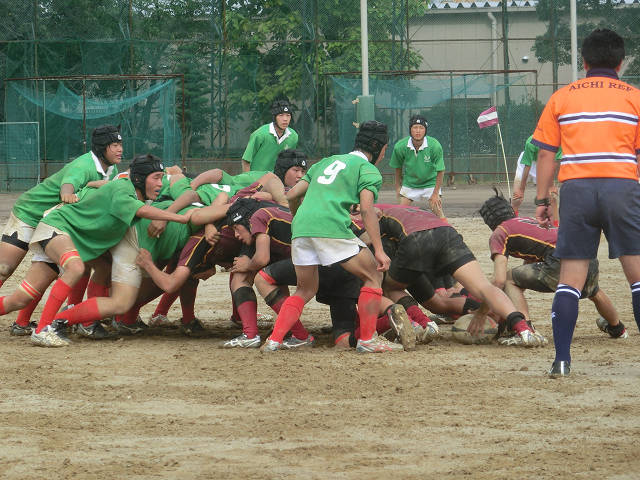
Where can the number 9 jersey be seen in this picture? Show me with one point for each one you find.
(335, 184)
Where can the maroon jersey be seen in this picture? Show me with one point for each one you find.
(255, 187)
(523, 238)
(198, 255)
(275, 222)
(398, 221)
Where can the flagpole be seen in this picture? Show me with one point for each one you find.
(506, 169)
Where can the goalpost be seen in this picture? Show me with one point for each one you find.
(19, 155)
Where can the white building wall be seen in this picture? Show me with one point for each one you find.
(460, 39)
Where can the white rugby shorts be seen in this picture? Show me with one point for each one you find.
(520, 170)
(416, 194)
(123, 255)
(18, 229)
(324, 251)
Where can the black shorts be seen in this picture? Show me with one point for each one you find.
(543, 276)
(436, 252)
(589, 206)
(194, 254)
(421, 289)
(335, 281)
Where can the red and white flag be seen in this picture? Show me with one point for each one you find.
(488, 118)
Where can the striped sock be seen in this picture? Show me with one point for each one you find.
(564, 314)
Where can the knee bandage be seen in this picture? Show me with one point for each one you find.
(27, 288)
(68, 256)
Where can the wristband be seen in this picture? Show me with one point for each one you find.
(542, 201)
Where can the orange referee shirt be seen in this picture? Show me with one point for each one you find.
(596, 122)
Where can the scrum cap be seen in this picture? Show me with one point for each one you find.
(280, 106)
(241, 211)
(287, 159)
(102, 137)
(496, 210)
(371, 138)
(141, 167)
(418, 120)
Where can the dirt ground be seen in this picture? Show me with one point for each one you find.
(165, 406)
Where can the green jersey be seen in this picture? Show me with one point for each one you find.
(419, 167)
(530, 153)
(245, 179)
(100, 220)
(32, 204)
(264, 146)
(335, 184)
(207, 191)
(173, 238)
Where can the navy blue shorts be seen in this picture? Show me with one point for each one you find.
(589, 206)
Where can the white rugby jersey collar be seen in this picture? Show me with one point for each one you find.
(359, 154)
(272, 130)
(424, 145)
(99, 169)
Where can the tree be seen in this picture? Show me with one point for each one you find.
(592, 14)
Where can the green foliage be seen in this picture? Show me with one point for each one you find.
(591, 14)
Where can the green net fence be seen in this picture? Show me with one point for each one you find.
(145, 109)
(451, 103)
(19, 155)
(191, 79)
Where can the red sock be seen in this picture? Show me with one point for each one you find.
(382, 323)
(248, 312)
(58, 295)
(85, 313)
(24, 315)
(130, 317)
(368, 308)
(165, 303)
(298, 331)
(187, 301)
(188, 313)
(520, 327)
(2, 311)
(289, 314)
(278, 305)
(96, 290)
(76, 295)
(417, 315)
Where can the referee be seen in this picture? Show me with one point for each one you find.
(595, 121)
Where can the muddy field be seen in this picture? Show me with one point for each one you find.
(165, 406)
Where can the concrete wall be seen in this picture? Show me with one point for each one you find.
(461, 39)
